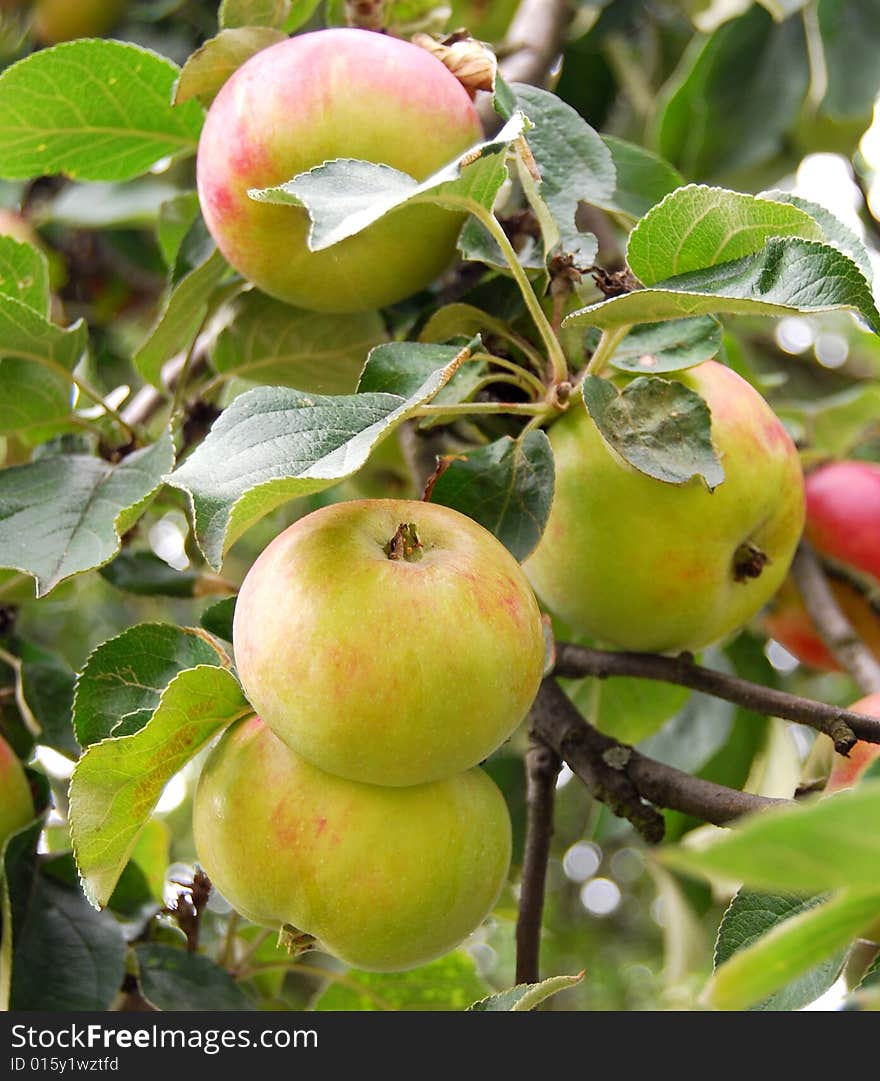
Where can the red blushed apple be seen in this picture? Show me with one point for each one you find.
(324, 95)
(638, 563)
(846, 771)
(384, 878)
(389, 641)
(64, 20)
(16, 803)
(843, 525)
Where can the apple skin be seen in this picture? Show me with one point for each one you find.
(16, 802)
(64, 20)
(319, 96)
(382, 670)
(644, 565)
(843, 525)
(385, 878)
(846, 771)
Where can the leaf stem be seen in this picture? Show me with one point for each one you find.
(463, 409)
(611, 338)
(516, 369)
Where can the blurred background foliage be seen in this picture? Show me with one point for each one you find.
(749, 95)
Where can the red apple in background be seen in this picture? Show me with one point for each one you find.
(64, 20)
(16, 802)
(340, 93)
(843, 525)
(639, 563)
(385, 878)
(389, 641)
(846, 771)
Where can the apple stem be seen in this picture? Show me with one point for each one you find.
(749, 561)
(405, 544)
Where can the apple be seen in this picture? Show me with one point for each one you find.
(340, 93)
(16, 802)
(638, 563)
(846, 771)
(63, 20)
(385, 878)
(843, 525)
(389, 641)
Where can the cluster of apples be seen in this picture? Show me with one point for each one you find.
(388, 647)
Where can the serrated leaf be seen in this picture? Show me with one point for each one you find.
(217, 619)
(402, 367)
(183, 312)
(575, 164)
(659, 426)
(525, 996)
(117, 783)
(146, 575)
(123, 679)
(735, 96)
(463, 320)
(696, 227)
(790, 276)
(834, 232)
(449, 983)
(63, 515)
(668, 347)
(270, 342)
(789, 951)
(274, 444)
(345, 196)
(803, 848)
(208, 68)
(235, 13)
(643, 179)
(506, 486)
(24, 275)
(93, 110)
(172, 978)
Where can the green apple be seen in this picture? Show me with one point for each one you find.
(16, 802)
(384, 878)
(645, 565)
(389, 641)
(340, 93)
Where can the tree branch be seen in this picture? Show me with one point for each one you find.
(842, 725)
(534, 40)
(624, 779)
(834, 628)
(542, 767)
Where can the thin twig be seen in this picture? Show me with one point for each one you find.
(625, 779)
(542, 768)
(534, 40)
(842, 725)
(834, 628)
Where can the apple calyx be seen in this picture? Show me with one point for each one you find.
(748, 562)
(294, 941)
(405, 544)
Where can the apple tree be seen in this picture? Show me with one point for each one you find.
(439, 505)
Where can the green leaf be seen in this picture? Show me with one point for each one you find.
(834, 232)
(643, 178)
(668, 347)
(18, 868)
(274, 444)
(790, 276)
(466, 321)
(506, 486)
(850, 32)
(807, 946)
(525, 996)
(344, 196)
(450, 983)
(697, 227)
(94, 110)
(117, 783)
(36, 359)
(123, 680)
(174, 979)
(803, 848)
(63, 515)
(402, 367)
(270, 342)
(630, 709)
(575, 164)
(66, 956)
(47, 684)
(109, 206)
(183, 312)
(24, 275)
(735, 96)
(208, 68)
(146, 575)
(235, 13)
(176, 217)
(659, 426)
(217, 619)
